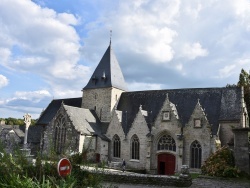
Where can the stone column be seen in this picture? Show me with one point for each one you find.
(148, 157)
(241, 149)
(27, 121)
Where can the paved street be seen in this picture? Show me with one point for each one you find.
(199, 183)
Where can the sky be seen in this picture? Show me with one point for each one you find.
(50, 48)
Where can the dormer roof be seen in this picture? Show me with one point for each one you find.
(107, 73)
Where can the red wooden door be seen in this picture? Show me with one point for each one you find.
(166, 164)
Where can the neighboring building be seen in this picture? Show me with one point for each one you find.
(12, 137)
(157, 131)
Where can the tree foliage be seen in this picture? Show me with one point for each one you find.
(244, 81)
(16, 121)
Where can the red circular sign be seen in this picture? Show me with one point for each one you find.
(64, 167)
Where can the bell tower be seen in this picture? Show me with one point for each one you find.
(104, 87)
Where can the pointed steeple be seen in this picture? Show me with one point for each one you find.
(109, 67)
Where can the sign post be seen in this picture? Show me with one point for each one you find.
(64, 167)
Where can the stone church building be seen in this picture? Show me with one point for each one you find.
(157, 131)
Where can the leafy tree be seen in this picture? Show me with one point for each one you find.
(244, 81)
(16, 121)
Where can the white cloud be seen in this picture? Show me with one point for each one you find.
(4, 54)
(34, 96)
(67, 18)
(26, 102)
(144, 27)
(194, 50)
(242, 8)
(193, 10)
(137, 86)
(40, 40)
(226, 71)
(157, 43)
(3, 81)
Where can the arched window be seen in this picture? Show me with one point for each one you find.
(116, 146)
(135, 147)
(166, 142)
(196, 152)
(60, 134)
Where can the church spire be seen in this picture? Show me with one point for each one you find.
(109, 67)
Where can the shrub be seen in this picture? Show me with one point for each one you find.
(221, 164)
(17, 171)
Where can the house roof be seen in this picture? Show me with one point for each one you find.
(107, 73)
(85, 121)
(219, 104)
(16, 128)
(48, 114)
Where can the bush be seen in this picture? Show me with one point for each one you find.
(17, 171)
(221, 164)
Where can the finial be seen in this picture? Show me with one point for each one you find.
(110, 37)
(140, 107)
(167, 96)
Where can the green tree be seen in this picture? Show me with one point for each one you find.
(16, 121)
(244, 81)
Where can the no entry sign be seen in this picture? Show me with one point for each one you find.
(64, 167)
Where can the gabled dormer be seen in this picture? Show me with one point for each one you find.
(198, 118)
(104, 87)
(169, 111)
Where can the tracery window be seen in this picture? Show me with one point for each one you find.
(116, 146)
(60, 134)
(166, 142)
(135, 148)
(196, 153)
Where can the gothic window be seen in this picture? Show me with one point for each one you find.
(60, 134)
(196, 152)
(166, 142)
(135, 147)
(116, 146)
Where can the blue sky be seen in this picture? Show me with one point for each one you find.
(49, 48)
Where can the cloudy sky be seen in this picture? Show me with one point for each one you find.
(49, 48)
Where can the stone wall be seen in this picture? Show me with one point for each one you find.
(171, 127)
(101, 100)
(201, 133)
(241, 149)
(225, 132)
(133, 178)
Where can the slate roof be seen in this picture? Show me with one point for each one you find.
(219, 104)
(85, 121)
(16, 128)
(34, 133)
(108, 73)
(48, 114)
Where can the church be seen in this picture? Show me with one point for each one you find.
(155, 130)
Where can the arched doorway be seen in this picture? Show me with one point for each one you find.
(166, 161)
(166, 164)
